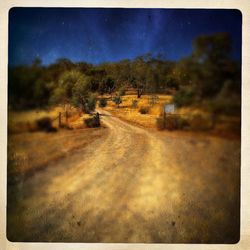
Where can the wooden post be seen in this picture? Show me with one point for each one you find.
(66, 117)
(164, 117)
(60, 120)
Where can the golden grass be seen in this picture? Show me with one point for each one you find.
(25, 121)
(128, 113)
(225, 126)
(28, 152)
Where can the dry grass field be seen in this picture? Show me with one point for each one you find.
(25, 121)
(198, 119)
(130, 114)
(29, 152)
(30, 149)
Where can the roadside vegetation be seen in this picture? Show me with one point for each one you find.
(207, 82)
(205, 88)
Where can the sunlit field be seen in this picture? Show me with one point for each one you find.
(127, 112)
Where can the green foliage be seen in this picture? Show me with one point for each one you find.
(185, 96)
(209, 66)
(93, 122)
(91, 102)
(102, 102)
(208, 74)
(171, 82)
(45, 124)
(144, 110)
(58, 96)
(106, 84)
(214, 48)
(80, 92)
(27, 87)
(117, 100)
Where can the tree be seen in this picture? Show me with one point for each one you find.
(27, 87)
(72, 88)
(211, 53)
(80, 92)
(107, 85)
(91, 102)
(209, 66)
(139, 69)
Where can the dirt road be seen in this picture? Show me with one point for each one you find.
(133, 185)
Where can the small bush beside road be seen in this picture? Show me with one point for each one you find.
(93, 122)
(144, 110)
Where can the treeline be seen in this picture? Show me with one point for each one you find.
(207, 77)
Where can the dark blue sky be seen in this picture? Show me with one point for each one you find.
(101, 35)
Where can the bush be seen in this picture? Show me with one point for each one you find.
(160, 123)
(102, 102)
(144, 110)
(201, 122)
(226, 106)
(91, 102)
(184, 97)
(172, 122)
(45, 124)
(117, 100)
(134, 104)
(93, 122)
(121, 91)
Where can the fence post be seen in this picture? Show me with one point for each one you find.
(164, 117)
(60, 120)
(66, 116)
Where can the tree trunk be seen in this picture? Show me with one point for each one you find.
(60, 120)
(139, 93)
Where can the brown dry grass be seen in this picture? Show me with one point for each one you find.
(28, 152)
(226, 126)
(130, 114)
(25, 121)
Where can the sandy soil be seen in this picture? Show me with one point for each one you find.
(133, 185)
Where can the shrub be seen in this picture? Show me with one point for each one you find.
(117, 100)
(184, 97)
(121, 91)
(230, 126)
(102, 102)
(172, 122)
(144, 110)
(134, 104)
(93, 122)
(225, 105)
(45, 124)
(91, 102)
(201, 122)
(160, 123)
